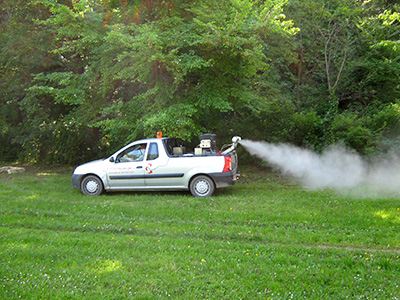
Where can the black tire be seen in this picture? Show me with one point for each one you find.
(202, 186)
(92, 186)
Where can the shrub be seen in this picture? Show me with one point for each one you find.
(350, 129)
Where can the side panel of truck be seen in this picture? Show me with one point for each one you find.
(179, 170)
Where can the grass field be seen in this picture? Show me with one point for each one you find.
(264, 238)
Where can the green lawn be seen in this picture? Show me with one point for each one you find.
(264, 238)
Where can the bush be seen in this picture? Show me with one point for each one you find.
(350, 129)
(59, 142)
(385, 122)
(307, 130)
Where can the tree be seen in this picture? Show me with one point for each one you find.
(24, 51)
(81, 77)
(324, 45)
(168, 66)
(346, 63)
(375, 73)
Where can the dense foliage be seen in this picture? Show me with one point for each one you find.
(81, 78)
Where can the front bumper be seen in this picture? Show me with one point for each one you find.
(223, 179)
(76, 180)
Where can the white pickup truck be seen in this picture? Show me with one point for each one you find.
(161, 164)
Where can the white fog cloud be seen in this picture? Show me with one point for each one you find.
(334, 168)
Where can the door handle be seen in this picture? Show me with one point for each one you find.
(139, 167)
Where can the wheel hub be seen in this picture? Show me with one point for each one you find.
(92, 186)
(202, 187)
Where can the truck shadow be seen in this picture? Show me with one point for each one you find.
(217, 193)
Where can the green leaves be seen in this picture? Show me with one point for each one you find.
(63, 87)
(179, 120)
(126, 69)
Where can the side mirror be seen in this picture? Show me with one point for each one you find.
(111, 159)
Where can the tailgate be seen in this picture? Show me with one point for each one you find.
(234, 164)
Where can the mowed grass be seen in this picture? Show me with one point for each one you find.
(264, 238)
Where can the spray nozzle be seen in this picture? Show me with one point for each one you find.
(236, 139)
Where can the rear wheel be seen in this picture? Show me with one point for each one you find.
(202, 186)
(92, 186)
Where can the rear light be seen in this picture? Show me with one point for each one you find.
(228, 161)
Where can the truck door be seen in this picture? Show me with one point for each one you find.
(157, 171)
(129, 168)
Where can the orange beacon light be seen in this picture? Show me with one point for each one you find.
(159, 134)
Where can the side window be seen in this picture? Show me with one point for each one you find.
(153, 152)
(134, 153)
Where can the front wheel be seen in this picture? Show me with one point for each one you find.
(202, 186)
(91, 186)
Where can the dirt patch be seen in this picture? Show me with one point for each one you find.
(11, 170)
(36, 168)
